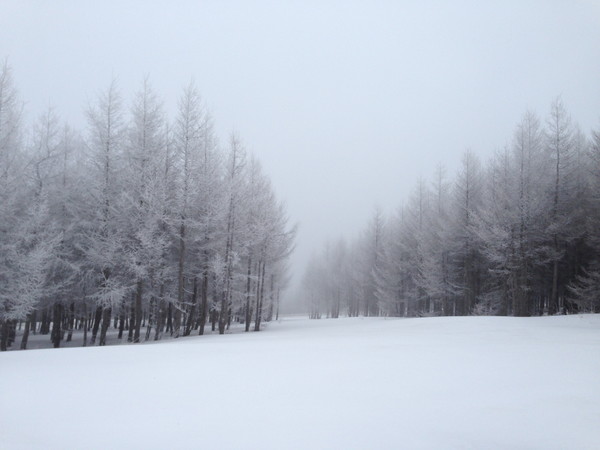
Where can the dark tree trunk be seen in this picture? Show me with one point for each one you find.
(105, 324)
(121, 323)
(192, 315)
(160, 320)
(25, 336)
(130, 326)
(85, 324)
(56, 324)
(204, 301)
(160, 315)
(12, 332)
(214, 316)
(553, 303)
(151, 317)
(45, 325)
(271, 304)
(97, 319)
(3, 335)
(170, 319)
(138, 311)
(180, 281)
(225, 297)
(223, 313)
(248, 314)
(34, 322)
(71, 321)
(259, 306)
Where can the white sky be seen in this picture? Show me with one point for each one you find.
(345, 103)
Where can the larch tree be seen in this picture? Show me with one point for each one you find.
(467, 260)
(209, 204)
(235, 177)
(189, 131)
(373, 241)
(144, 239)
(559, 145)
(105, 142)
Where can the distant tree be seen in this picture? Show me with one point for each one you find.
(559, 146)
(372, 246)
(466, 252)
(584, 289)
(435, 247)
(234, 187)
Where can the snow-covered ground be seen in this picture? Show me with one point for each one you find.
(440, 383)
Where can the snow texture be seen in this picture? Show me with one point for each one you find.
(431, 383)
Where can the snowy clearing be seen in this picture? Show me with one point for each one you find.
(460, 382)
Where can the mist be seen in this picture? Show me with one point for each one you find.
(346, 104)
(299, 224)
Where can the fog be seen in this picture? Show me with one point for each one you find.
(345, 103)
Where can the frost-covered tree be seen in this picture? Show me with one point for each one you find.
(559, 146)
(189, 131)
(235, 177)
(584, 290)
(466, 252)
(106, 132)
(435, 247)
(373, 241)
(144, 238)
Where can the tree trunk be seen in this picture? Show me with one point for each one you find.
(260, 300)
(105, 324)
(130, 322)
(180, 281)
(56, 324)
(248, 317)
(553, 303)
(192, 315)
(25, 336)
(85, 324)
(45, 325)
(138, 311)
(214, 317)
(170, 319)
(225, 298)
(151, 317)
(34, 322)
(257, 291)
(160, 315)
(71, 321)
(204, 301)
(97, 318)
(271, 302)
(3, 335)
(121, 323)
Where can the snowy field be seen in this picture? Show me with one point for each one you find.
(439, 383)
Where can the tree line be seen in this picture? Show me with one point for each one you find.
(140, 222)
(518, 235)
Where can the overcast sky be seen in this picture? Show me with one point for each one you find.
(345, 103)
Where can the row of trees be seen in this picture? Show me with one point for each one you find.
(140, 219)
(519, 236)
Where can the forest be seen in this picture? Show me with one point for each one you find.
(517, 235)
(139, 223)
